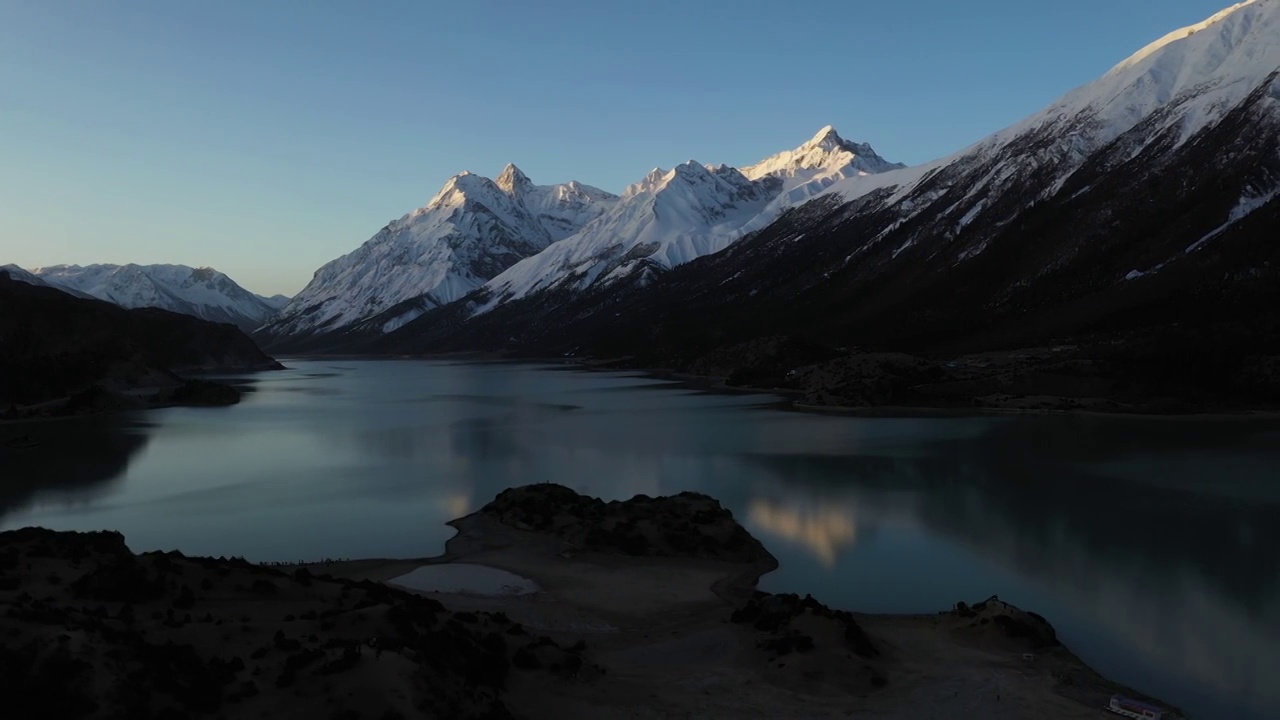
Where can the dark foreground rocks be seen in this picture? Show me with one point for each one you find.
(685, 525)
(814, 641)
(90, 630)
(776, 615)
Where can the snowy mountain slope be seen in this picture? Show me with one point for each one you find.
(1186, 80)
(673, 216)
(1168, 91)
(1134, 121)
(202, 292)
(473, 229)
(666, 219)
(23, 276)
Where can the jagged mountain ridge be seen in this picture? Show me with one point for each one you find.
(673, 216)
(200, 292)
(666, 219)
(1142, 206)
(510, 237)
(471, 230)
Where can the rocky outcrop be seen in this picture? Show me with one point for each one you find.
(804, 639)
(774, 614)
(93, 631)
(685, 525)
(997, 620)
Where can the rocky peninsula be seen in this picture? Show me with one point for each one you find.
(639, 609)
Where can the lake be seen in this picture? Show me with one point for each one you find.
(1152, 545)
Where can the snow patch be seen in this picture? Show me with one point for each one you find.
(402, 319)
(969, 216)
(1248, 203)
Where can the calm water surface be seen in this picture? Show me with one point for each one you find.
(1153, 546)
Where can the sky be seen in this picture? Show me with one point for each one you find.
(268, 137)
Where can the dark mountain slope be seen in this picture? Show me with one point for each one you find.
(53, 345)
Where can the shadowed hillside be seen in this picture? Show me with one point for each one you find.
(54, 345)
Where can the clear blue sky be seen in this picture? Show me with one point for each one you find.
(266, 137)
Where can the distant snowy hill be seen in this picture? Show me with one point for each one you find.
(201, 292)
(24, 276)
(472, 230)
(673, 216)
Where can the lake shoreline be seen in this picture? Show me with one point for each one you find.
(789, 398)
(886, 516)
(192, 392)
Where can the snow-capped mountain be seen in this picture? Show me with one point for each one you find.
(202, 292)
(826, 155)
(1145, 202)
(472, 230)
(668, 218)
(1161, 178)
(673, 216)
(1168, 164)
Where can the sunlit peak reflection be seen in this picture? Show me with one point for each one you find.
(825, 531)
(456, 505)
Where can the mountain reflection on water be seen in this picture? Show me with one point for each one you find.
(64, 463)
(1145, 578)
(1152, 545)
(825, 531)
